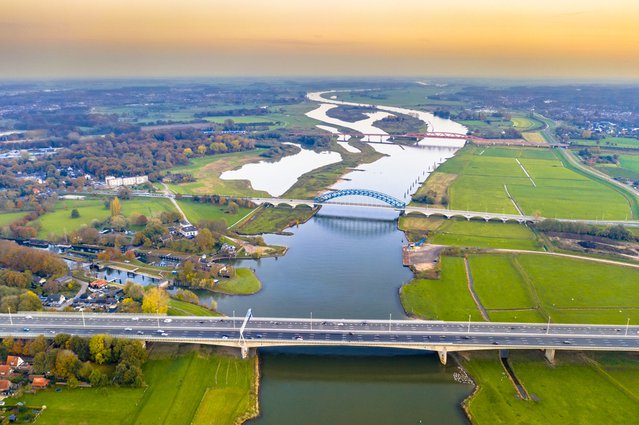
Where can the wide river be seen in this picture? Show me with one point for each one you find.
(346, 263)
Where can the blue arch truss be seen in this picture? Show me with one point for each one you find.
(393, 202)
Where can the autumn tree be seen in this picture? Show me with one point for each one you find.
(156, 300)
(116, 209)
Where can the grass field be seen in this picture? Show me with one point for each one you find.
(622, 142)
(447, 298)
(181, 308)
(498, 283)
(552, 190)
(60, 222)
(572, 391)
(524, 123)
(273, 220)
(529, 288)
(207, 171)
(7, 218)
(197, 211)
(485, 235)
(245, 282)
(533, 136)
(628, 168)
(185, 386)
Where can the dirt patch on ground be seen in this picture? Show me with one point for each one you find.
(421, 258)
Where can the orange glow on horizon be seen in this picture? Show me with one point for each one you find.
(347, 37)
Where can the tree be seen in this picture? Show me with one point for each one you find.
(29, 302)
(205, 240)
(127, 374)
(75, 213)
(79, 346)
(100, 348)
(233, 208)
(116, 209)
(36, 346)
(156, 300)
(66, 364)
(134, 290)
(118, 222)
(201, 149)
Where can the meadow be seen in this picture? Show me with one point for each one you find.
(186, 385)
(446, 298)
(481, 234)
(621, 142)
(207, 171)
(485, 176)
(197, 211)
(59, 221)
(578, 388)
(528, 288)
(273, 220)
(7, 218)
(628, 167)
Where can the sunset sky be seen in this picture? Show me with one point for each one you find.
(513, 38)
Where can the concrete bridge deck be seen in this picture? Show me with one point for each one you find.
(441, 337)
(440, 212)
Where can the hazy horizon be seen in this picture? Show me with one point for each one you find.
(545, 39)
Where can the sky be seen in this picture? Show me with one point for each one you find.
(586, 39)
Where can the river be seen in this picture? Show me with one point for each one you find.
(346, 263)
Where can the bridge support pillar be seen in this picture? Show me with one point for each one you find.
(549, 353)
(244, 351)
(443, 356)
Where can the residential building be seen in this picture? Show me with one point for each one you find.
(112, 181)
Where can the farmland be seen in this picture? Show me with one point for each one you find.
(529, 287)
(486, 177)
(577, 389)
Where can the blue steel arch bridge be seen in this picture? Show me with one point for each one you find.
(390, 200)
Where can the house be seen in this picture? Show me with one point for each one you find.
(98, 283)
(112, 181)
(15, 361)
(56, 299)
(188, 230)
(5, 386)
(5, 370)
(39, 383)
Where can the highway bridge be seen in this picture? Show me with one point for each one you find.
(253, 332)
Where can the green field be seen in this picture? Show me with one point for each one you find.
(182, 308)
(498, 283)
(523, 123)
(185, 386)
(273, 220)
(241, 119)
(197, 211)
(484, 174)
(446, 298)
(574, 390)
(529, 287)
(7, 218)
(485, 235)
(207, 171)
(245, 282)
(628, 168)
(413, 96)
(621, 142)
(59, 221)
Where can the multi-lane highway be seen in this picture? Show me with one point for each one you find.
(437, 336)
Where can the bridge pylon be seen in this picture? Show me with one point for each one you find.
(443, 356)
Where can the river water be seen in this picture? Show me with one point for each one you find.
(346, 263)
